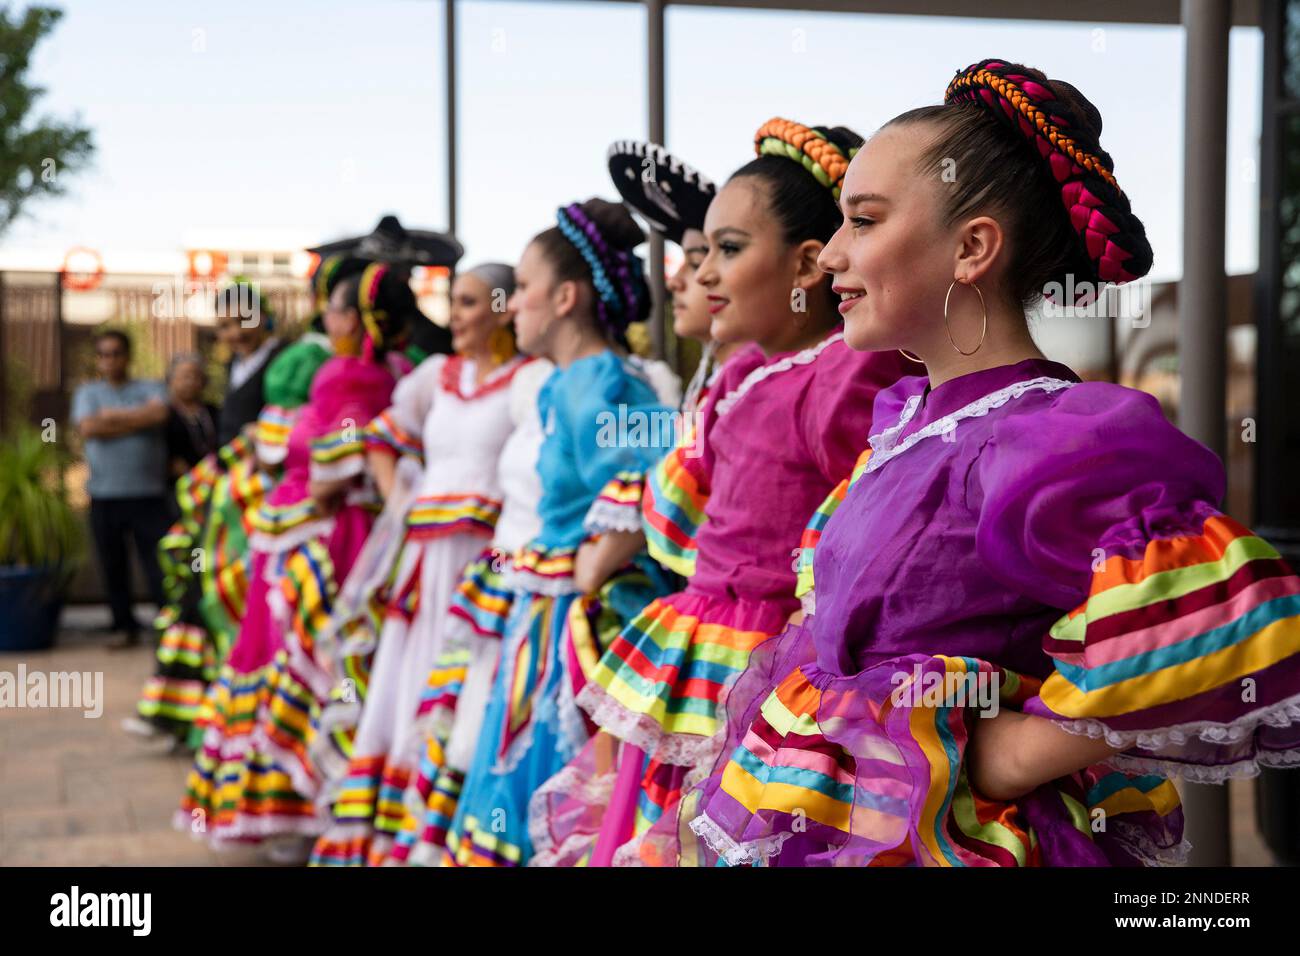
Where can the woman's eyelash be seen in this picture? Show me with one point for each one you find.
(859, 221)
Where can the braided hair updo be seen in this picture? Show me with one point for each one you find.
(1027, 148)
(592, 243)
(802, 195)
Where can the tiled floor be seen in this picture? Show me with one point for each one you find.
(80, 791)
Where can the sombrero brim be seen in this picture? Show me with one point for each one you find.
(668, 194)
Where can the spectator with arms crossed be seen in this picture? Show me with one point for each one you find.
(120, 420)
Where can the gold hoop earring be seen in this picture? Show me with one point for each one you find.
(909, 355)
(983, 331)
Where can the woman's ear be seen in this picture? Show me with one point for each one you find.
(565, 297)
(807, 273)
(981, 241)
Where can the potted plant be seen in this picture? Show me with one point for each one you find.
(41, 540)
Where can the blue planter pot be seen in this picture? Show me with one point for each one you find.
(31, 600)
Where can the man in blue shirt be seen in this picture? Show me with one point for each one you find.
(121, 422)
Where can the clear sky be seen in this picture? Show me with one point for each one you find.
(314, 118)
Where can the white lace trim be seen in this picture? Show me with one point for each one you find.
(808, 601)
(728, 401)
(1198, 773)
(641, 730)
(529, 582)
(737, 854)
(251, 828)
(1284, 713)
(604, 516)
(883, 448)
(629, 854)
(347, 467)
(272, 543)
(564, 855)
(568, 782)
(519, 747)
(1139, 843)
(217, 740)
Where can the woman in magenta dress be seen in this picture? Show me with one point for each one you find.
(249, 781)
(782, 427)
(1026, 608)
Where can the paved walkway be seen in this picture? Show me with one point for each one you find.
(84, 792)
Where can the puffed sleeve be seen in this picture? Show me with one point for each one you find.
(672, 505)
(398, 429)
(347, 393)
(274, 423)
(616, 429)
(289, 375)
(1181, 637)
(846, 383)
(286, 387)
(677, 489)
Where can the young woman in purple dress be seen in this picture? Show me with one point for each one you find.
(1026, 610)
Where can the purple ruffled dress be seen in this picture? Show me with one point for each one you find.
(1041, 544)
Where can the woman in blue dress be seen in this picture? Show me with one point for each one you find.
(578, 287)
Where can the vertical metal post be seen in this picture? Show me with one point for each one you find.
(4, 363)
(655, 92)
(449, 54)
(1202, 320)
(1277, 354)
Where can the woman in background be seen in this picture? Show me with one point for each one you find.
(251, 780)
(578, 287)
(191, 427)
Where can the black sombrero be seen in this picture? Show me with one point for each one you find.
(664, 191)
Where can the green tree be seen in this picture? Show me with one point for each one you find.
(36, 153)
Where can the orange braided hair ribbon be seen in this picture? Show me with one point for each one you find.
(1112, 237)
(811, 148)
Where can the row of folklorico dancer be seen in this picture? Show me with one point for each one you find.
(905, 592)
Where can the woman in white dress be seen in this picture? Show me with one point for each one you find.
(454, 413)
